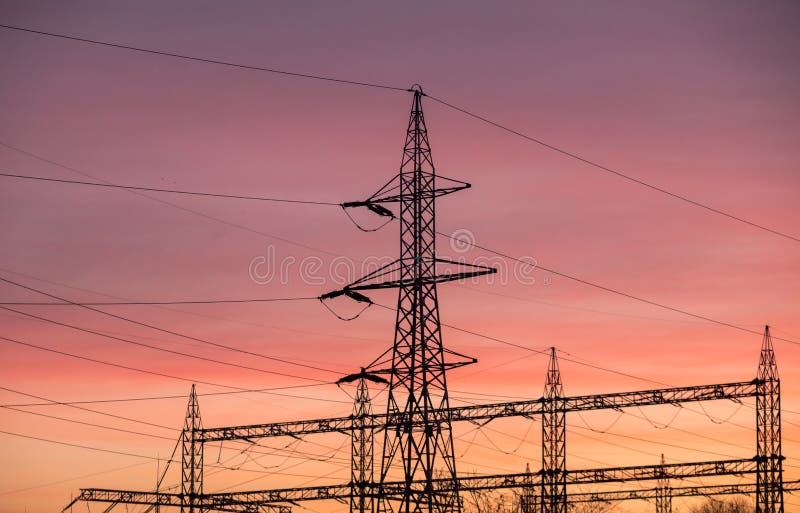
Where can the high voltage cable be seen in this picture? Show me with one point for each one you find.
(207, 60)
(134, 303)
(168, 203)
(169, 191)
(61, 481)
(170, 332)
(80, 446)
(111, 364)
(164, 375)
(156, 348)
(613, 291)
(275, 451)
(441, 101)
(615, 172)
(154, 398)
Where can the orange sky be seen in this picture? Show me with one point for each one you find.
(701, 99)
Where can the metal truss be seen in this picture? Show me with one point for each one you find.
(417, 427)
(528, 408)
(397, 489)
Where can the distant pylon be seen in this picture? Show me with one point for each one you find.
(769, 475)
(554, 441)
(362, 446)
(191, 458)
(527, 496)
(663, 491)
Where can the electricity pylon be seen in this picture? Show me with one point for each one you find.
(554, 441)
(191, 458)
(663, 491)
(418, 384)
(362, 443)
(769, 478)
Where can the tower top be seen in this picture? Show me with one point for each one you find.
(553, 386)
(767, 366)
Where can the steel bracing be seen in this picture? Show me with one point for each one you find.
(554, 441)
(417, 461)
(526, 481)
(769, 479)
(362, 444)
(526, 408)
(191, 457)
(420, 447)
(663, 491)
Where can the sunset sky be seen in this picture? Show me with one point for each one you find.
(699, 98)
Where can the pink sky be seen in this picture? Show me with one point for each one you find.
(699, 98)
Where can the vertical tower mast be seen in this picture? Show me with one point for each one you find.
(554, 441)
(362, 444)
(769, 475)
(191, 457)
(423, 443)
(663, 491)
(418, 385)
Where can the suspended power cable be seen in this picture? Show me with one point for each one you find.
(535, 266)
(167, 191)
(207, 60)
(182, 208)
(170, 332)
(134, 303)
(612, 171)
(80, 446)
(75, 406)
(90, 424)
(67, 480)
(157, 397)
(164, 375)
(161, 349)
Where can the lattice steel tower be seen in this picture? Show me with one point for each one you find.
(663, 490)
(191, 458)
(554, 441)
(769, 477)
(423, 444)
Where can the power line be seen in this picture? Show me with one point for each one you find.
(207, 60)
(134, 303)
(163, 330)
(156, 348)
(126, 367)
(169, 203)
(611, 290)
(80, 446)
(61, 481)
(112, 428)
(169, 191)
(151, 398)
(90, 424)
(612, 171)
(394, 88)
(164, 375)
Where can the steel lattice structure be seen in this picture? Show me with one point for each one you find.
(769, 492)
(554, 441)
(191, 457)
(423, 443)
(417, 425)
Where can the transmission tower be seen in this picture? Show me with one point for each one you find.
(663, 491)
(769, 477)
(418, 385)
(554, 441)
(362, 443)
(191, 458)
(527, 496)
